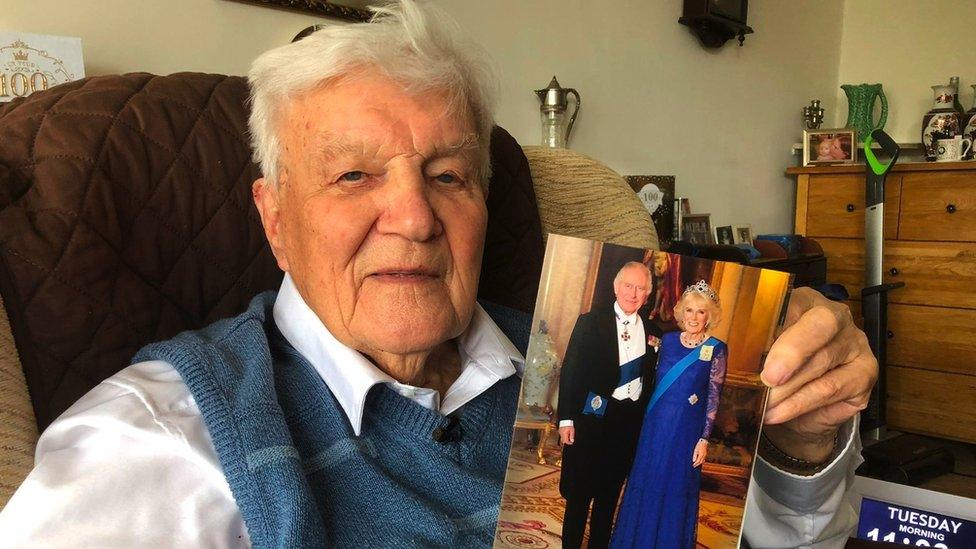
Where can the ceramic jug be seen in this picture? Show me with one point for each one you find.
(941, 122)
(968, 123)
(860, 113)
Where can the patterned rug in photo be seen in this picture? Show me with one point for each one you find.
(532, 509)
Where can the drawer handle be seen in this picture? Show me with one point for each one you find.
(893, 271)
(951, 208)
(891, 335)
(850, 207)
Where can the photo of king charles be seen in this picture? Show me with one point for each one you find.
(607, 376)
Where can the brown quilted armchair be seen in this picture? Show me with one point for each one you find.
(126, 217)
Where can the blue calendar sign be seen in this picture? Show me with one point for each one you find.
(882, 521)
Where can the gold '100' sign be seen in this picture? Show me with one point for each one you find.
(20, 84)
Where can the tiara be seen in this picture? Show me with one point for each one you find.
(704, 289)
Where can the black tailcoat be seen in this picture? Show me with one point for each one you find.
(604, 447)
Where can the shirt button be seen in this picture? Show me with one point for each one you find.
(438, 434)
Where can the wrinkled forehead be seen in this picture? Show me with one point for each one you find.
(634, 275)
(328, 144)
(363, 112)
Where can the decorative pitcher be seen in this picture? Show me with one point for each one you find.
(941, 122)
(860, 104)
(555, 101)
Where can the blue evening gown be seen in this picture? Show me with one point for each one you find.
(660, 505)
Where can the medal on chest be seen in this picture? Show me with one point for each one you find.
(706, 352)
(625, 334)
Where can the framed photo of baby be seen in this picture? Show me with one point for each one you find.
(641, 401)
(836, 146)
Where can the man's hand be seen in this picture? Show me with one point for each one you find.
(821, 371)
(567, 435)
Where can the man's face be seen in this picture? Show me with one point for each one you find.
(378, 216)
(631, 289)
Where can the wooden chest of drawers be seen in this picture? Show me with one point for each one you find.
(930, 244)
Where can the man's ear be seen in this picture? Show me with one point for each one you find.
(266, 200)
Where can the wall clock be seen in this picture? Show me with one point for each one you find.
(716, 21)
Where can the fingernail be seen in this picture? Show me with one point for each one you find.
(776, 380)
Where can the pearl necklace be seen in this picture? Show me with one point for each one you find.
(688, 343)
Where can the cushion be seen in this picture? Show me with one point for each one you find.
(579, 196)
(126, 217)
(513, 242)
(18, 429)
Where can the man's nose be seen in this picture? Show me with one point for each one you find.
(409, 211)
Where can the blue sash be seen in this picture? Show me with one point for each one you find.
(676, 371)
(630, 371)
(595, 404)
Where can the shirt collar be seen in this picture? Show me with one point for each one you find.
(486, 356)
(621, 316)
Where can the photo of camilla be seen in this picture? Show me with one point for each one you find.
(641, 401)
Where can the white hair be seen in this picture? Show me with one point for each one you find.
(634, 265)
(420, 47)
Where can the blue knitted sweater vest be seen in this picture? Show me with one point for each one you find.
(301, 478)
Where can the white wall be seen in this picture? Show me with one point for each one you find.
(160, 36)
(654, 100)
(907, 46)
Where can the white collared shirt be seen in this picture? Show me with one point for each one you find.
(487, 356)
(131, 464)
(629, 347)
(633, 346)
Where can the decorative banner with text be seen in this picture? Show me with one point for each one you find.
(36, 62)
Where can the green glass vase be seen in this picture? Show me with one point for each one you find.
(860, 113)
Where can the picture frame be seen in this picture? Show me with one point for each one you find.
(697, 228)
(829, 146)
(724, 235)
(578, 280)
(656, 192)
(742, 234)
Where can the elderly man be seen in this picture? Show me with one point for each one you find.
(370, 401)
(604, 386)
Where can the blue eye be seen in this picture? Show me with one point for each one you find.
(446, 178)
(353, 176)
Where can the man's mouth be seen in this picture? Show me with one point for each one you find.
(405, 275)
